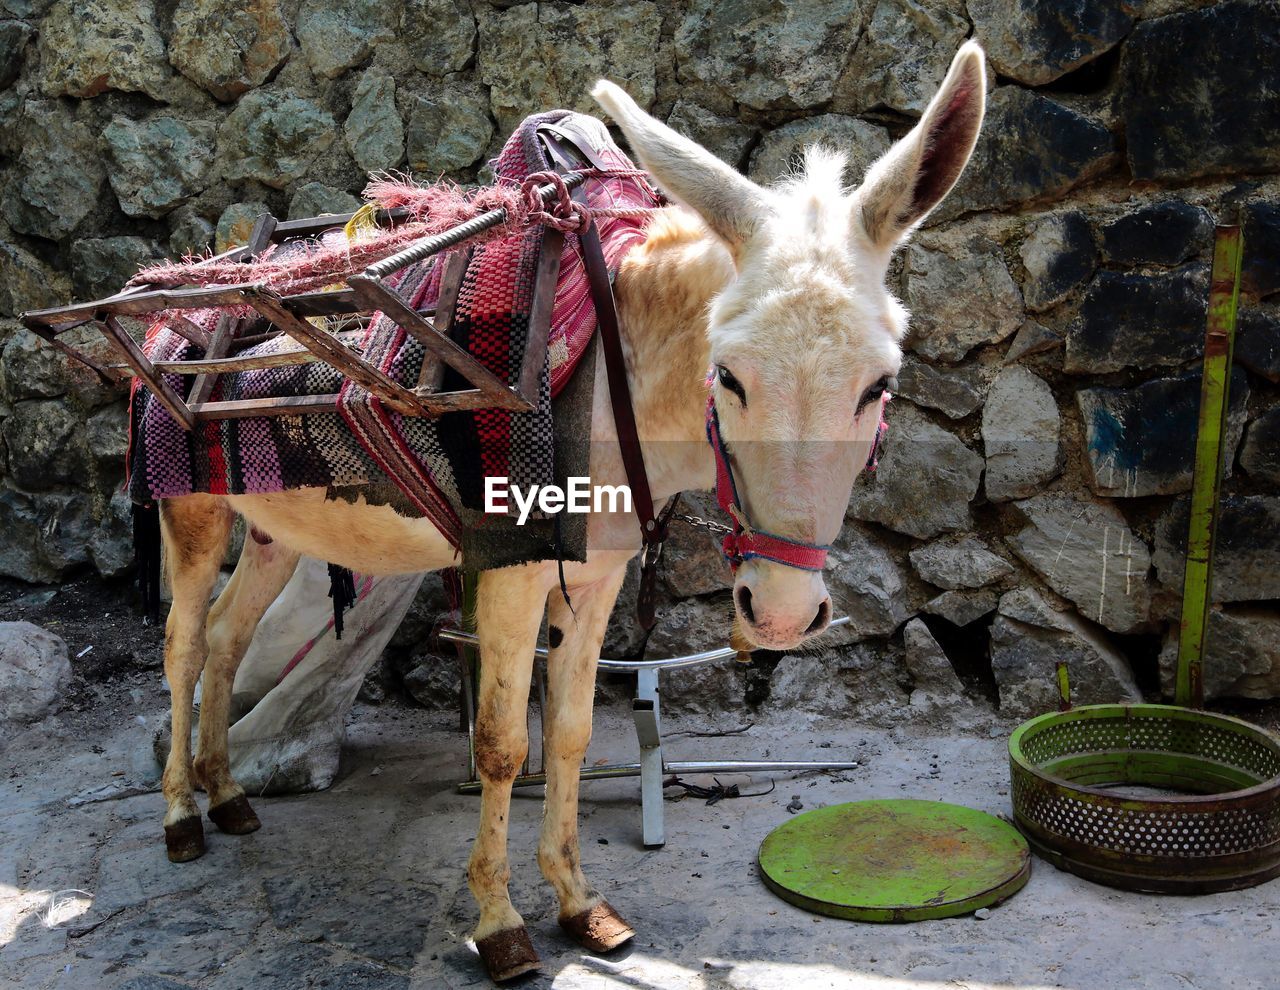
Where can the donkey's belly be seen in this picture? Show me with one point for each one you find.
(368, 539)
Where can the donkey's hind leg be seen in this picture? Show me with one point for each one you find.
(264, 568)
(195, 530)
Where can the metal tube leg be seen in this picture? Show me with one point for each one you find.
(647, 712)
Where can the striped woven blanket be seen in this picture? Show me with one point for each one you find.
(437, 464)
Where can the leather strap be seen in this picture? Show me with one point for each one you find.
(653, 527)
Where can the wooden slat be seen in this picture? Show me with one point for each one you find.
(241, 362)
(431, 374)
(288, 405)
(260, 236)
(546, 275)
(341, 357)
(375, 295)
(180, 325)
(305, 226)
(219, 345)
(322, 303)
(143, 368)
(144, 302)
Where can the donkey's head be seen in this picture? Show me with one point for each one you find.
(804, 342)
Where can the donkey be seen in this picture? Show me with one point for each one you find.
(781, 292)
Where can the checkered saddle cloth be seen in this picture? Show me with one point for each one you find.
(438, 464)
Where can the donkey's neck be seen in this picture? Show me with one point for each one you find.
(664, 287)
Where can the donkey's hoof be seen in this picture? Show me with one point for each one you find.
(235, 817)
(598, 929)
(507, 954)
(184, 840)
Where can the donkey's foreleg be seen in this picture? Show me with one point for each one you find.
(574, 637)
(261, 573)
(195, 530)
(509, 606)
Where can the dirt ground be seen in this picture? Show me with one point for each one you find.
(363, 885)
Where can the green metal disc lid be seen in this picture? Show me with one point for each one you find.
(896, 860)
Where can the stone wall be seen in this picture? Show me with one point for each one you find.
(1031, 502)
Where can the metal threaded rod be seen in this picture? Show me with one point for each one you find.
(450, 238)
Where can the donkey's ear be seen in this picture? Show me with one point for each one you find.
(916, 173)
(728, 202)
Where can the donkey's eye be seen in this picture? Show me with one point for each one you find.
(874, 393)
(726, 379)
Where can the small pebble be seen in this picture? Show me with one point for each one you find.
(982, 914)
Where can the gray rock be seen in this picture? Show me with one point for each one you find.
(229, 46)
(863, 679)
(1260, 274)
(624, 638)
(959, 562)
(960, 296)
(1028, 641)
(1036, 43)
(1059, 255)
(46, 444)
(1166, 233)
(111, 547)
(272, 137)
(338, 37)
(373, 129)
(1021, 433)
(692, 561)
(1175, 125)
(59, 180)
(1243, 655)
(14, 36)
(32, 369)
(866, 584)
(1141, 441)
(107, 439)
(236, 224)
(781, 152)
(538, 56)
(901, 56)
(1138, 321)
(960, 608)
(1257, 342)
(26, 282)
(34, 672)
(434, 682)
(440, 35)
(1085, 551)
(189, 233)
(315, 198)
(157, 164)
(724, 137)
(448, 130)
(1260, 455)
(46, 535)
(954, 392)
(100, 266)
(1031, 338)
(766, 54)
(690, 626)
(926, 479)
(1246, 561)
(934, 679)
(90, 46)
(1031, 149)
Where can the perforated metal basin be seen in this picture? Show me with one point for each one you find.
(1218, 828)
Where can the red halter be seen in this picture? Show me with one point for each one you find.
(744, 543)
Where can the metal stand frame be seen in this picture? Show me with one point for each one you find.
(646, 710)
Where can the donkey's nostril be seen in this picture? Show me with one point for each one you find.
(744, 603)
(820, 620)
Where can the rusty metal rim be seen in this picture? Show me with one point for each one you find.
(1102, 795)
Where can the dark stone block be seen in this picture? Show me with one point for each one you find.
(1160, 234)
(1258, 342)
(1139, 321)
(1260, 455)
(1059, 254)
(1036, 42)
(14, 36)
(1260, 275)
(1193, 96)
(1031, 149)
(1141, 441)
(1246, 561)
